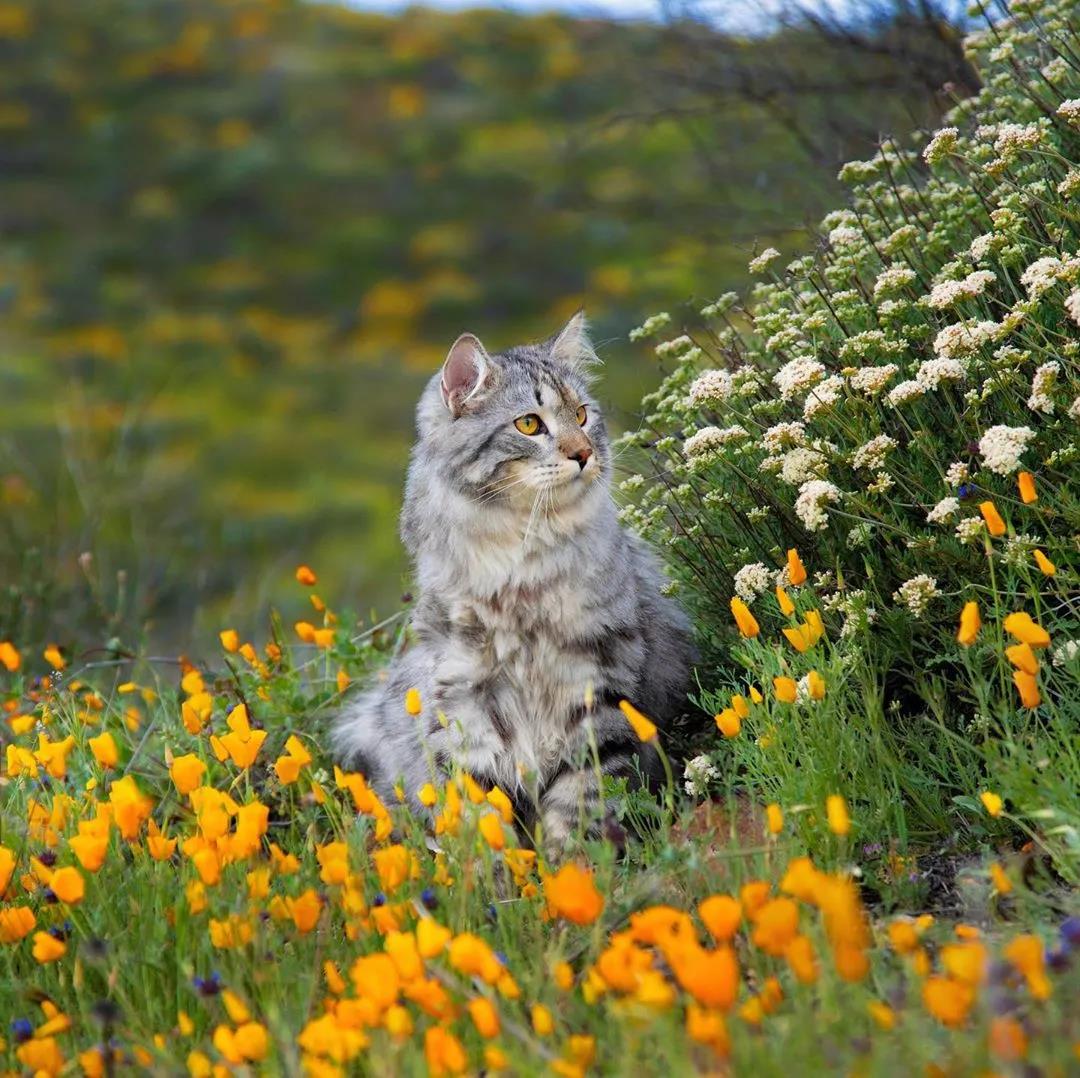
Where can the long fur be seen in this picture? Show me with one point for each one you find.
(537, 612)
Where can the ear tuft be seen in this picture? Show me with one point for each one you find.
(572, 346)
(466, 370)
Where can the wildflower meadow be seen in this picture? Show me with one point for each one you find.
(865, 860)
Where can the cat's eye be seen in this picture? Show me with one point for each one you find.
(582, 415)
(530, 424)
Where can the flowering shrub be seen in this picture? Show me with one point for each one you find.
(187, 883)
(902, 406)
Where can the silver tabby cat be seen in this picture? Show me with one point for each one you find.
(536, 612)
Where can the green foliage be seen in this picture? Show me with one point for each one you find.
(881, 405)
(238, 236)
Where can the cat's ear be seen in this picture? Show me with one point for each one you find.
(465, 373)
(572, 346)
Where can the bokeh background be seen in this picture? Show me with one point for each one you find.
(236, 236)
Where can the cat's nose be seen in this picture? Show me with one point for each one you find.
(581, 456)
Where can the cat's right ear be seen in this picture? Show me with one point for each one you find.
(465, 373)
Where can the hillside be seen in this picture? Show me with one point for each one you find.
(236, 237)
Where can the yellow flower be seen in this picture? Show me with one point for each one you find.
(16, 922)
(795, 567)
(230, 640)
(104, 749)
(815, 685)
(186, 773)
(994, 524)
(305, 576)
(48, 948)
(1046, 566)
(542, 1022)
(431, 937)
(7, 868)
(991, 802)
(484, 1017)
(343, 681)
(774, 819)
(68, 885)
(9, 656)
(728, 722)
(1007, 1038)
(745, 621)
(787, 607)
(970, 624)
(251, 1041)
(776, 924)
(1027, 955)
(786, 689)
(90, 849)
(644, 728)
(882, 1014)
(412, 702)
(802, 960)
(241, 742)
(501, 803)
(1028, 688)
(1026, 630)
(1002, 883)
(721, 915)
(491, 829)
(54, 657)
(304, 910)
(948, 1000)
(837, 814)
(1026, 482)
(572, 895)
(443, 1052)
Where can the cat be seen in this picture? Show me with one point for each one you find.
(536, 612)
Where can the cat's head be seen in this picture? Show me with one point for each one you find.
(518, 427)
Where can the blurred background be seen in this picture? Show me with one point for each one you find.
(236, 236)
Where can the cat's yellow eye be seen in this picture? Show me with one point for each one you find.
(529, 424)
(582, 415)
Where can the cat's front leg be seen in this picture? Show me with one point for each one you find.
(571, 799)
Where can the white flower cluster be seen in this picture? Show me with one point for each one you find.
(943, 510)
(982, 247)
(711, 387)
(967, 531)
(823, 395)
(964, 338)
(871, 380)
(893, 279)
(763, 260)
(751, 580)
(940, 146)
(871, 456)
(800, 464)
(811, 506)
(957, 473)
(676, 347)
(1041, 275)
(1070, 111)
(917, 593)
(1001, 447)
(904, 392)
(845, 236)
(1072, 305)
(783, 435)
(1042, 386)
(1010, 139)
(706, 443)
(650, 326)
(796, 375)
(948, 293)
(932, 372)
(1065, 653)
(697, 775)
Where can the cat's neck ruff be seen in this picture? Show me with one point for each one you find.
(482, 553)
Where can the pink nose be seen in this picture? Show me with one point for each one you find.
(581, 456)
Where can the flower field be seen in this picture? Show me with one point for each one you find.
(188, 882)
(864, 478)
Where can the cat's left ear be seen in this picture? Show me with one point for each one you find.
(572, 346)
(467, 370)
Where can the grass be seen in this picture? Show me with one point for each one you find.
(276, 917)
